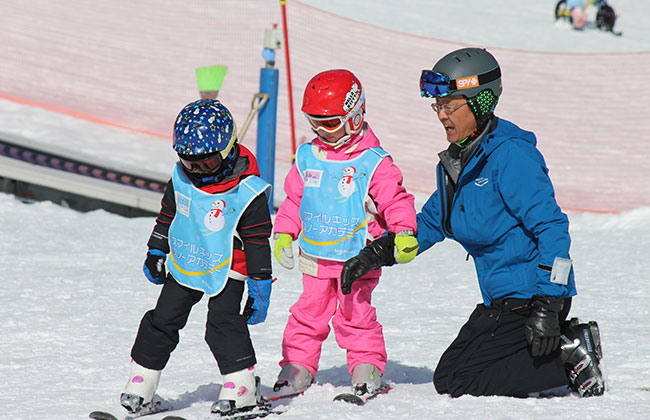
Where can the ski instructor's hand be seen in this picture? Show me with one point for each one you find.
(376, 254)
(543, 326)
(353, 269)
(154, 266)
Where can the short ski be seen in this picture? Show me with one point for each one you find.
(361, 400)
(273, 397)
(155, 408)
(102, 415)
(243, 415)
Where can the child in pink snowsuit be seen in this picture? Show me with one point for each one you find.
(342, 191)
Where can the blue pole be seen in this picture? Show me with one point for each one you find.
(266, 122)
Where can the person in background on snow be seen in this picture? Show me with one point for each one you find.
(496, 199)
(215, 225)
(578, 13)
(342, 191)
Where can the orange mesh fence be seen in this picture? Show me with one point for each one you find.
(132, 64)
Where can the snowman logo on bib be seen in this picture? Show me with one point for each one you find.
(346, 185)
(214, 220)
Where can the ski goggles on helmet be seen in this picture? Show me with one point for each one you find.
(438, 85)
(326, 123)
(433, 84)
(203, 164)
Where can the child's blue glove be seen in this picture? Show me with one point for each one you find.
(154, 266)
(260, 292)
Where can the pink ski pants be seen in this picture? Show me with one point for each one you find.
(353, 317)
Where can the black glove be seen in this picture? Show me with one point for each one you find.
(543, 326)
(154, 266)
(248, 308)
(377, 253)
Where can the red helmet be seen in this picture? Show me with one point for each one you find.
(334, 93)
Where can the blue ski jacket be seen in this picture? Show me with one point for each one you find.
(503, 212)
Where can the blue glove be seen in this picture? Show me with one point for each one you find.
(260, 292)
(154, 266)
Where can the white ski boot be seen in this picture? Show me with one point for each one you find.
(366, 380)
(241, 391)
(140, 389)
(293, 379)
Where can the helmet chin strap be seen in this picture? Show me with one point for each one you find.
(340, 142)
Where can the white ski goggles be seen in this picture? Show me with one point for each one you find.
(327, 123)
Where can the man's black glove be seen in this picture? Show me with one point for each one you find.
(543, 326)
(377, 253)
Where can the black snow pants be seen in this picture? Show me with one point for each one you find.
(226, 330)
(490, 355)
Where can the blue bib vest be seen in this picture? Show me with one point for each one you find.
(201, 234)
(332, 210)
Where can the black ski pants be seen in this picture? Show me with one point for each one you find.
(226, 330)
(490, 355)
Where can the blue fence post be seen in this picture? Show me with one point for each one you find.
(266, 122)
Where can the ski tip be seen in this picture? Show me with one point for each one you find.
(101, 415)
(173, 418)
(350, 398)
(355, 399)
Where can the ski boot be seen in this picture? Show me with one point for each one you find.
(139, 391)
(241, 392)
(293, 379)
(581, 355)
(366, 380)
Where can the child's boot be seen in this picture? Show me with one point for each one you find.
(293, 379)
(581, 354)
(241, 391)
(366, 380)
(140, 389)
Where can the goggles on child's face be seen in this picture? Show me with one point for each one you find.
(202, 164)
(327, 123)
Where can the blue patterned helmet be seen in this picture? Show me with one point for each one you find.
(203, 127)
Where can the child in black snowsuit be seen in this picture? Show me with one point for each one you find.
(214, 224)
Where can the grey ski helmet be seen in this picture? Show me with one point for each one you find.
(471, 72)
(465, 72)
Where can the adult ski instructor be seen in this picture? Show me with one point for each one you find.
(496, 199)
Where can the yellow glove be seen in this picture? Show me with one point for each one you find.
(406, 246)
(284, 250)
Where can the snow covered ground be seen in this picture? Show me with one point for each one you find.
(74, 291)
(74, 295)
(521, 25)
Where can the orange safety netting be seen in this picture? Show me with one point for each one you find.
(132, 64)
